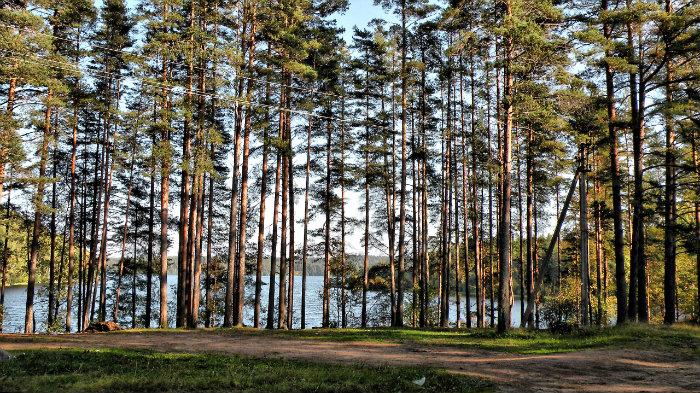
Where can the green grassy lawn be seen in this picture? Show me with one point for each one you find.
(118, 370)
(684, 339)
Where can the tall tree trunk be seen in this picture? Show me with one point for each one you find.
(455, 184)
(261, 224)
(465, 208)
(109, 167)
(11, 90)
(290, 165)
(696, 165)
(273, 254)
(638, 235)
(489, 165)
(478, 271)
(670, 196)
(36, 228)
(134, 270)
(210, 228)
(619, 241)
(238, 312)
(61, 269)
(184, 278)
(402, 202)
(504, 233)
(530, 269)
(52, 234)
(583, 245)
(166, 161)
(600, 315)
(327, 232)
(415, 270)
(71, 223)
(365, 261)
(305, 246)
(423, 317)
(3, 157)
(149, 250)
(343, 317)
(229, 305)
(125, 232)
(634, 113)
(521, 258)
(5, 260)
(282, 295)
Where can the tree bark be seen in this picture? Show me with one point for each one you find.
(504, 233)
(71, 223)
(670, 206)
(238, 312)
(229, 305)
(273, 254)
(120, 272)
(36, 228)
(583, 244)
(478, 272)
(618, 241)
(305, 246)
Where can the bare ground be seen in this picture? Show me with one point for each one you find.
(600, 370)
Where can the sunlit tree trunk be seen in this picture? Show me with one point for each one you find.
(305, 246)
(504, 238)
(71, 223)
(240, 291)
(38, 202)
(261, 223)
(231, 288)
(166, 161)
(273, 253)
(125, 231)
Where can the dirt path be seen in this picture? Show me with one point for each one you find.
(605, 370)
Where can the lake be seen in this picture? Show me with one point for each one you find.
(16, 296)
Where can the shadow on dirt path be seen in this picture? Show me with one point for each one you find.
(599, 370)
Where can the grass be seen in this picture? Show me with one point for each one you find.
(683, 339)
(118, 370)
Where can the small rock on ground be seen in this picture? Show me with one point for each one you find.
(4, 356)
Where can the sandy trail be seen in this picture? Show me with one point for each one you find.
(603, 370)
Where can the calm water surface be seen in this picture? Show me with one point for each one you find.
(16, 296)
